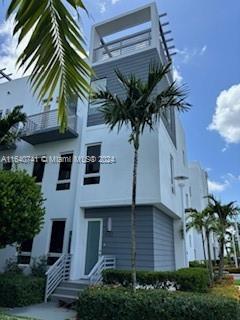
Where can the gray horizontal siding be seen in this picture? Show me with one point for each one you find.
(137, 64)
(118, 241)
(164, 256)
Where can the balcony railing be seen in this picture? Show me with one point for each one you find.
(44, 127)
(125, 45)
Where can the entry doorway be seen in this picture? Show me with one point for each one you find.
(93, 243)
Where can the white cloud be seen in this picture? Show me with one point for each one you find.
(103, 6)
(215, 186)
(115, 1)
(177, 75)
(9, 51)
(227, 114)
(187, 54)
(203, 50)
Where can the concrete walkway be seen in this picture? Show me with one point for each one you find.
(236, 276)
(44, 311)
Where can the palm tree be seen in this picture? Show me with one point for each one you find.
(195, 221)
(203, 222)
(141, 107)
(55, 51)
(224, 214)
(9, 131)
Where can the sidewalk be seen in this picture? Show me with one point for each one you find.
(44, 311)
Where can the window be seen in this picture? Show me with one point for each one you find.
(24, 255)
(38, 169)
(56, 241)
(172, 174)
(7, 165)
(184, 158)
(190, 241)
(65, 169)
(96, 85)
(187, 201)
(92, 169)
(167, 115)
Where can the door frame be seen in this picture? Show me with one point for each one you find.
(100, 241)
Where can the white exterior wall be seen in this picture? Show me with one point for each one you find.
(58, 204)
(154, 174)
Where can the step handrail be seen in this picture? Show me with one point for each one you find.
(57, 273)
(104, 263)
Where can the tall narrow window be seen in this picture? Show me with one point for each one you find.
(38, 169)
(92, 170)
(24, 255)
(65, 169)
(172, 174)
(56, 241)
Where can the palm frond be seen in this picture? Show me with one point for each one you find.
(55, 50)
(8, 126)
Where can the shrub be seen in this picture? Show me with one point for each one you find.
(39, 266)
(195, 279)
(12, 267)
(122, 304)
(20, 290)
(197, 264)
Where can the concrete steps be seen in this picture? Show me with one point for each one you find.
(68, 291)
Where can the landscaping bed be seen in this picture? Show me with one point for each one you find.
(19, 290)
(195, 279)
(123, 304)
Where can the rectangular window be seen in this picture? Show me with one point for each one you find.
(56, 241)
(24, 255)
(96, 85)
(167, 115)
(92, 169)
(64, 174)
(38, 169)
(7, 165)
(172, 174)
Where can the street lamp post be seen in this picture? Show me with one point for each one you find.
(181, 183)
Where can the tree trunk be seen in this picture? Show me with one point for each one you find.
(203, 243)
(133, 220)
(221, 256)
(210, 266)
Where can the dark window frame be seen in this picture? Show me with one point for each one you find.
(65, 171)
(39, 178)
(92, 169)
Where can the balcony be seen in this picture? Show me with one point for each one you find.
(43, 127)
(123, 46)
(6, 147)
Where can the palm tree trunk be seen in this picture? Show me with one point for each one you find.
(221, 256)
(133, 220)
(204, 250)
(210, 266)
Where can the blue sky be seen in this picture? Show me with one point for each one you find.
(206, 35)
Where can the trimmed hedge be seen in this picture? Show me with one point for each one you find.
(232, 270)
(20, 290)
(122, 304)
(195, 279)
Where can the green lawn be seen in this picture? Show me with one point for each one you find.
(237, 282)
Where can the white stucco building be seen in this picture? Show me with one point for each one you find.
(88, 205)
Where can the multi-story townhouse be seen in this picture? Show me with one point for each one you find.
(88, 204)
(198, 184)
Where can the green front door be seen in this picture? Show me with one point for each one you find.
(93, 244)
